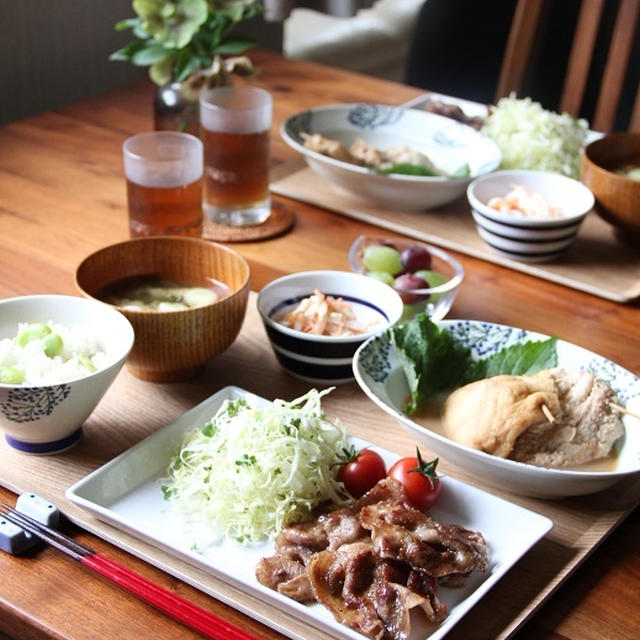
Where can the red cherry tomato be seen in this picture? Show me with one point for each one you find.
(419, 480)
(361, 470)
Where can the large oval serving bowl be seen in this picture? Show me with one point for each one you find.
(47, 417)
(449, 144)
(379, 373)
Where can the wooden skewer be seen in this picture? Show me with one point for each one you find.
(547, 413)
(621, 409)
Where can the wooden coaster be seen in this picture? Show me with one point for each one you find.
(280, 221)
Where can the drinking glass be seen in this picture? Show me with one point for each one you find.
(164, 183)
(235, 127)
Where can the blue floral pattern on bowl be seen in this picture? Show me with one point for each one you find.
(378, 359)
(30, 404)
(379, 372)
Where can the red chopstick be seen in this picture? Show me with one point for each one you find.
(173, 605)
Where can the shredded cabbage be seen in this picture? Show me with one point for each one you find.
(250, 471)
(531, 137)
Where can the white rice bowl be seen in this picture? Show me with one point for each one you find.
(40, 369)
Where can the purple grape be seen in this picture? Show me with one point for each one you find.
(415, 258)
(406, 283)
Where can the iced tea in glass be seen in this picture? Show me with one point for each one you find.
(164, 183)
(235, 129)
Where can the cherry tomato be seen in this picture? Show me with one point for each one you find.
(419, 479)
(361, 470)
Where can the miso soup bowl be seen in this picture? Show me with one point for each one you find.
(316, 358)
(173, 345)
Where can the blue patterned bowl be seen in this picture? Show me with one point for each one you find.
(448, 143)
(378, 371)
(47, 418)
(325, 359)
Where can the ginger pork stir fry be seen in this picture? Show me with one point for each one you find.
(371, 563)
(324, 315)
(365, 155)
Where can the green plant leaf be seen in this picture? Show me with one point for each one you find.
(127, 52)
(128, 23)
(151, 54)
(235, 46)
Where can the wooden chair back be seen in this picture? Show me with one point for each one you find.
(519, 50)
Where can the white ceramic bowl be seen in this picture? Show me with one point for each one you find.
(529, 239)
(318, 358)
(436, 300)
(379, 373)
(48, 419)
(450, 144)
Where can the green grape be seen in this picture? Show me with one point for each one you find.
(383, 276)
(432, 278)
(380, 258)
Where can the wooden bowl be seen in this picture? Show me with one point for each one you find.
(617, 197)
(173, 345)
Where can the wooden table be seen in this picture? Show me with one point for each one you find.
(62, 195)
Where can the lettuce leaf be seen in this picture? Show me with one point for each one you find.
(435, 361)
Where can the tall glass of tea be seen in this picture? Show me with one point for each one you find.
(235, 127)
(164, 172)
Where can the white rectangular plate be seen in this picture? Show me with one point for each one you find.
(126, 493)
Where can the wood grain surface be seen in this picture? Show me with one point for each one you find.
(62, 196)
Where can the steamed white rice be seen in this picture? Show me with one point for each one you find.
(40, 369)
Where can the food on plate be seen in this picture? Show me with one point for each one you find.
(516, 403)
(361, 470)
(397, 159)
(371, 563)
(326, 315)
(250, 471)
(419, 479)
(154, 294)
(524, 202)
(453, 111)
(49, 353)
(407, 271)
(435, 362)
(554, 418)
(531, 137)
(631, 171)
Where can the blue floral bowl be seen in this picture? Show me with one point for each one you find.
(450, 145)
(46, 417)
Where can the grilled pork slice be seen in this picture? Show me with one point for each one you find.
(369, 594)
(372, 563)
(408, 535)
(508, 416)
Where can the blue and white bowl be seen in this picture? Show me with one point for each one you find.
(448, 143)
(318, 358)
(48, 418)
(529, 239)
(379, 371)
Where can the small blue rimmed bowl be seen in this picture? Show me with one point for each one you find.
(46, 416)
(320, 358)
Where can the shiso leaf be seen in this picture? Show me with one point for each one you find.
(435, 361)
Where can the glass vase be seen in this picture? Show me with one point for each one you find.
(176, 109)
